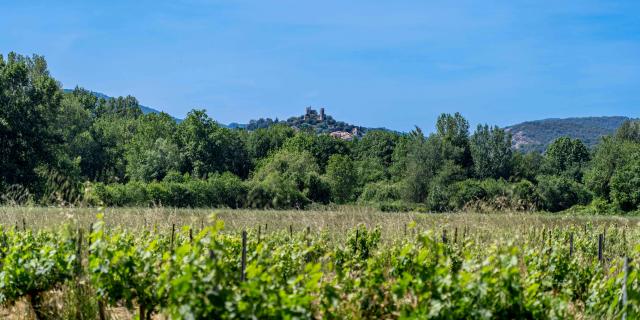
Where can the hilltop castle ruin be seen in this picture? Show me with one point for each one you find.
(311, 113)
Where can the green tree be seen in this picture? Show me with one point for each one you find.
(263, 141)
(566, 156)
(453, 130)
(376, 144)
(625, 186)
(153, 151)
(422, 163)
(526, 166)
(557, 193)
(111, 133)
(208, 148)
(321, 147)
(491, 152)
(342, 178)
(285, 179)
(29, 103)
(610, 155)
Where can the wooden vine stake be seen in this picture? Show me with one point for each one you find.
(173, 232)
(90, 232)
(291, 231)
(600, 246)
(571, 244)
(243, 266)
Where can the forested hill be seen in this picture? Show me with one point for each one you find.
(144, 109)
(537, 135)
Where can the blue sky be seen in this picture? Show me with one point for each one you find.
(375, 63)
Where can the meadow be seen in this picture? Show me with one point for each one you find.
(331, 262)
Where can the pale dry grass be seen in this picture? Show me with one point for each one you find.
(336, 221)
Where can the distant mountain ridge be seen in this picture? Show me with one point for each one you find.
(537, 135)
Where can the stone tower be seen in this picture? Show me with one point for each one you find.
(307, 113)
(322, 117)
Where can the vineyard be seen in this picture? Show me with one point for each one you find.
(270, 265)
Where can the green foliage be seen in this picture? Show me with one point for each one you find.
(453, 130)
(29, 104)
(342, 178)
(610, 156)
(75, 147)
(208, 148)
(625, 187)
(421, 165)
(125, 268)
(320, 147)
(33, 264)
(264, 141)
(225, 190)
(535, 136)
(566, 156)
(559, 193)
(629, 131)
(281, 179)
(197, 275)
(377, 144)
(380, 192)
(153, 151)
(526, 166)
(491, 152)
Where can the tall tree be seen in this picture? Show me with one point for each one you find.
(453, 130)
(153, 150)
(566, 156)
(491, 152)
(377, 144)
(29, 103)
(208, 148)
(342, 178)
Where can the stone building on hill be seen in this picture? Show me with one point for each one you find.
(311, 113)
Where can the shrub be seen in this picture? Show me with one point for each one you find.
(465, 192)
(383, 191)
(559, 193)
(525, 196)
(625, 187)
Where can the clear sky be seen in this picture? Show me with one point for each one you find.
(374, 63)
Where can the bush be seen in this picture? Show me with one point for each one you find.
(465, 192)
(525, 196)
(274, 192)
(625, 187)
(559, 193)
(383, 191)
(219, 190)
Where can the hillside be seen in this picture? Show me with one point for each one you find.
(536, 135)
(312, 120)
(144, 109)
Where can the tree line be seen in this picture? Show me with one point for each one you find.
(61, 147)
